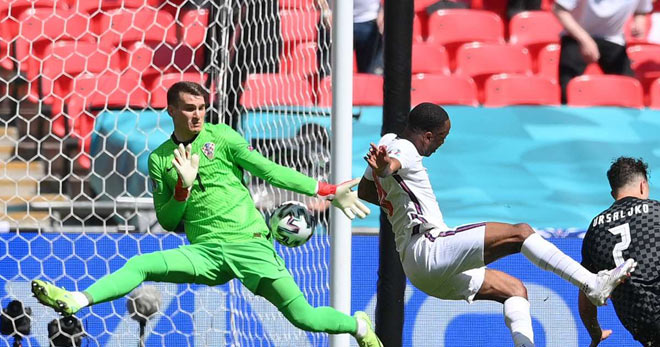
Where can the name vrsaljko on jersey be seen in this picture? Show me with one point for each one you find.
(621, 214)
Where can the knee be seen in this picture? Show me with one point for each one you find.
(521, 232)
(517, 288)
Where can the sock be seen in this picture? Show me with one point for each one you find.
(548, 257)
(518, 319)
(361, 328)
(80, 298)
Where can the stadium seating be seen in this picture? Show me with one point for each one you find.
(548, 63)
(605, 90)
(92, 7)
(452, 28)
(263, 90)
(193, 33)
(64, 60)
(654, 95)
(534, 30)
(126, 26)
(41, 27)
(645, 61)
(443, 90)
(510, 89)
(481, 60)
(299, 25)
(93, 92)
(418, 31)
(429, 58)
(158, 84)
(297, 4)
(367, 90)
(634, 40)
(300, 60)
(10, 12)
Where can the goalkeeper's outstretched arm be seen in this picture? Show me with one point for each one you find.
(280, 176)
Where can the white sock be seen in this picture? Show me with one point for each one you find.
(361, 328)
(80, 298)
(548, 257)
(518, 319)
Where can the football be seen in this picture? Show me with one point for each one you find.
(291, 224)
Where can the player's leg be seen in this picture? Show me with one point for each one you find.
(284, 293)
(163, 266)
(510, 291)
(502, 239)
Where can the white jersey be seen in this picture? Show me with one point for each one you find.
(406, 196)
(605, 18)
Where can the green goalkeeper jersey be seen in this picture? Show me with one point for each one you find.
(220, 206)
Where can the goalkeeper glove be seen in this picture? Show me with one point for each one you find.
(186, 165)
(344, 198)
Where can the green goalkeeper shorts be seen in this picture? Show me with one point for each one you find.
(215, 263)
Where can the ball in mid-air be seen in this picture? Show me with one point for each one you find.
(291, 224)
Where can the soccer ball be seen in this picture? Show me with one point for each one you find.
(291, 224)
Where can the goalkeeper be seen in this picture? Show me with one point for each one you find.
(198, 180)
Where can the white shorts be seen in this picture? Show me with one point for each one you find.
(447, 264)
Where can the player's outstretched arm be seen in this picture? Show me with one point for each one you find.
(344, 198)
(589, 316)
(380, 161)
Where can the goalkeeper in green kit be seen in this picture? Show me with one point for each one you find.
(198, 180)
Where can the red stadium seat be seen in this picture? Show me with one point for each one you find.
(126, 26)
(300, 60)
(605, 90)
(654, 95)
(297, 4)
(40, 27)
(262, 90)
(443, 90)
(109, 90)
(633, 40)
(534, 30)
(506, 89)
(452, 28)
(65, 60)
(421, 5)
(645, 61)
(95, 6)
(481, 60)
(429, 58)
(299, 25)
(193, 27)
(548, 63)
(418, 31)
(158, 84)
(367, 90)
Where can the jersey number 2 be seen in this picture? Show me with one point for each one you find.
(617, 252)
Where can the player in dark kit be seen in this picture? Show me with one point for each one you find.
(630, 228)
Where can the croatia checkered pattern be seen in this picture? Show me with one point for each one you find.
(630, 228)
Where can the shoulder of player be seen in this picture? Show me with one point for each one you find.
(163, 150)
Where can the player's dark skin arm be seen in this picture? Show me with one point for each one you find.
(382, 166)
(589, 316)
(367, 191)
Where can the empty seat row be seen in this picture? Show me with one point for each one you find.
(267, 90)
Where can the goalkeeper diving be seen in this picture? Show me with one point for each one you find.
(197, 178)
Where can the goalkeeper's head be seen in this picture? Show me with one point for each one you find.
(186, 104)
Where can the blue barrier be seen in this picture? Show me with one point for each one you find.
(201, 316)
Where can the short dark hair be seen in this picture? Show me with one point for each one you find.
(185, 87)
(427, 117)
(624, 170)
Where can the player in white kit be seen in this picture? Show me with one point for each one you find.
(449, 263)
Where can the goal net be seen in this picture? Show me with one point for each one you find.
(83, 103)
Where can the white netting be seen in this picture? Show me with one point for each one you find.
(83, 90)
